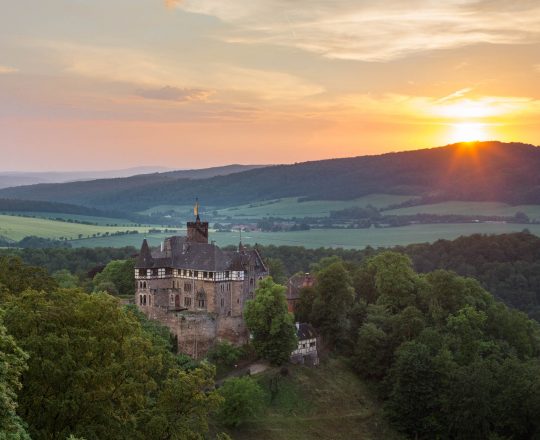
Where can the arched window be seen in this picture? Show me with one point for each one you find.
(149, 300)
(140, 300)
(144, 300)
(201, 300)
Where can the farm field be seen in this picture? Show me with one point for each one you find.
(16, 228)
(339, 238)
(291, 207)
(469, 208)
(104, 221)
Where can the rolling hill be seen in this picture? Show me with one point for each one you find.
(15, 178)
(479, 171)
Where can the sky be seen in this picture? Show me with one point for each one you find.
(110, 84)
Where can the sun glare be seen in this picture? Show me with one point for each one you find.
(468, 131)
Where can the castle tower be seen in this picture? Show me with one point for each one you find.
(197, 231)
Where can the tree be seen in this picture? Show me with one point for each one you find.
(91, 367)
(277, 270)
(65, 279)
(415, 399)
(223, 354)
(243, 399)
(333, 300)
(183, 406)
(12, 365)
(396, 282)
(271, 325)
(116, 278)
(372, 352)
(304, 307)
(17, 276)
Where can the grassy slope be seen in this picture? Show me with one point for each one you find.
(345, 238)
(469, 208)
(326, 402)
(78, 217)
(290, 207)
(16, 228)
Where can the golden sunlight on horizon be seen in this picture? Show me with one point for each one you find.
(468, 132)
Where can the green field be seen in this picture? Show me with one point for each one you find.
(81, 218)
(290, 207)
(339, 238)
(16, 228)
(324, 402)
(469, 208)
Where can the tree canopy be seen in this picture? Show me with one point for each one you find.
(270, 323)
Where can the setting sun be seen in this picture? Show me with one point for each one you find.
(468, 131)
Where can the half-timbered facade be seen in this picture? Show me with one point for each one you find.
(188, 280)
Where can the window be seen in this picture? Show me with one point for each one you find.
(251, 281)
(211, 275)
(201, 300)
(205, 274)
(187, 287)
(312, 344)
(196, 274)
(222, 302)
(187, 301)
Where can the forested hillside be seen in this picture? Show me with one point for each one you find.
(491, 171)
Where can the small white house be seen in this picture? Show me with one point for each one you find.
(306, 353)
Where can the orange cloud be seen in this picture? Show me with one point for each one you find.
(172, 3)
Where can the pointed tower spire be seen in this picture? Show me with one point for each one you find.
(145, 256)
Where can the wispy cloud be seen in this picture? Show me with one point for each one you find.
(178, 94)
(374, 31)
(7, 69)
(457, 94)
(425, 108)
(149, 72)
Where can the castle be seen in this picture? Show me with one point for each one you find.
(197, 289)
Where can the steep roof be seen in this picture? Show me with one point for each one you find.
(297, 282)
(178, 252)
(305, 331)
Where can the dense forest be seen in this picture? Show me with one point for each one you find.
(491, 171)
(448, 359)
(507, 265)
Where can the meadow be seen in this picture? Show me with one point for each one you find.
(15, 228)
(291, 207)
(469, 208)
(328, 401)
(103, 221)
(337, 238)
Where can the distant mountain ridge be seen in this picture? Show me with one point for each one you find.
(20, 178)
(477, 171)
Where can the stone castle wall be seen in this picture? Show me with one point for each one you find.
(196, 332)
